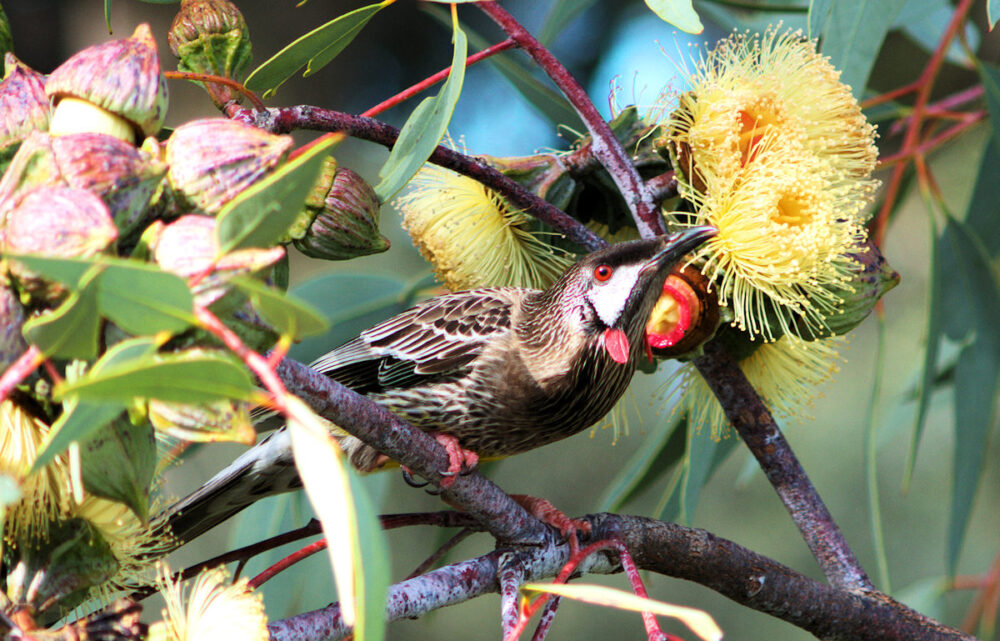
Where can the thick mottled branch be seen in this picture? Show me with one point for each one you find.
(755, 425)
(284, 120)
(740, 574)
(376, 426)
(606, 147)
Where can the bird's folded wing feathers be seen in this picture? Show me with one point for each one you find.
(437, 338)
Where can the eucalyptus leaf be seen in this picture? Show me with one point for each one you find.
(425, 127)
(990, 77)
(679, 13)
(143, 299)
(853, 37)
(313, 50)
(819, 15)
(261, 214)
(194, 376)
(119, 461)
(659, 452)
(560, 15)
(69, 331)
(283, 311)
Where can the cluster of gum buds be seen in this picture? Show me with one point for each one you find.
(769, 148)
(85, 178)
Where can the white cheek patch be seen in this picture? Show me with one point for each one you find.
(609, 299)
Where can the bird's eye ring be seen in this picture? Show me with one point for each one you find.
(602, 273)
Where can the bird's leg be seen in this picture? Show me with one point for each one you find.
(544, 511)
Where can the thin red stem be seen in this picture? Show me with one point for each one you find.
(606, 147)
(933, 143)
(20, 369)
(219, 80)
(408, 93)
(287, 562)
(890, 95)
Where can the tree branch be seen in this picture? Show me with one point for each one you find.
(742, 575)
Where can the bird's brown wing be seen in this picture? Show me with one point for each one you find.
(436, 340)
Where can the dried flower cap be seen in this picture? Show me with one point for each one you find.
(189, 247)
(124, 177)
(24, 107)
(212, 160)
(121, 77)
(210, 36)
(752, 87)
(473, 236)
(214, 610)
(685, 316)
(342, 211)
(55, 221)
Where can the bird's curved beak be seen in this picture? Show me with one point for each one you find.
(678, 244)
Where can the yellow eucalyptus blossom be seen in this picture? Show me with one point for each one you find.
(472, 235)
(786, 232)
(133, 543)
(214, 611)
(786, 374)
(45, 494)
(751, 87)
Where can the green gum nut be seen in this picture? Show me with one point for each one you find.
(344, 214)
(120, 79)
(211, 161)
(24, 107)
(210, 36)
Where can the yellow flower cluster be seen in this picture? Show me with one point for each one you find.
(774, 151)
(214, 610)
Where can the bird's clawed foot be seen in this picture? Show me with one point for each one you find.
(460, 463)
(544, 511)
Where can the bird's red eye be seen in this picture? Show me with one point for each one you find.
(603, 272)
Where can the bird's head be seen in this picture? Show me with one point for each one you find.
(611, 292)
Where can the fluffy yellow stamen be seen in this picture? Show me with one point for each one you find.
(214, 611)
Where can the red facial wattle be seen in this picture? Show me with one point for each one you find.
(616, 343)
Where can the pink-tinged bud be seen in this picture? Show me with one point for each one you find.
(344, 210)
(62, 222)
(124, 177)
(211, 161)
(210, 36)
(24, 107)
(121, 77)
(685, 316)
(188, 247)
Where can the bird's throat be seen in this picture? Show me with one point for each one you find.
(616, 342)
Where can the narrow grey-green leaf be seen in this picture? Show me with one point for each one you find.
(425, 127)
(561, 14)
(194, 376)
(260, 215)
(992, 12)
(972, 276)
(853, 37)
(981, 216)
(374, 564)
(69, 331)
(990, 77)
(315, 49)
(143, 299)
(658, 453)
(679, 13)
(284, 312)
(819, 14)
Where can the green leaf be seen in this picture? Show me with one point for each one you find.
(925, 21)
(351, 303)
(261, 214)
(119, 461)
(972, 308)
(659, 452)
(143, 299)
(992, 13)
(981, 216)
(373, 559)
(819, 15)
(679, 13)
(70, 331)
(560, 15)
(425, 127)
(79, 420)
(68, 271)
(324, 475)
(286, 313)
(699, 621)
(193, 376)
(990, 77)
(853, 37)
(313, 50)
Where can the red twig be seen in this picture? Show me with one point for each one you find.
(287, 562)
(910, 140)
(219, 80)
(408, 93)
(890, 95)
(20, 369)
(923, 148)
